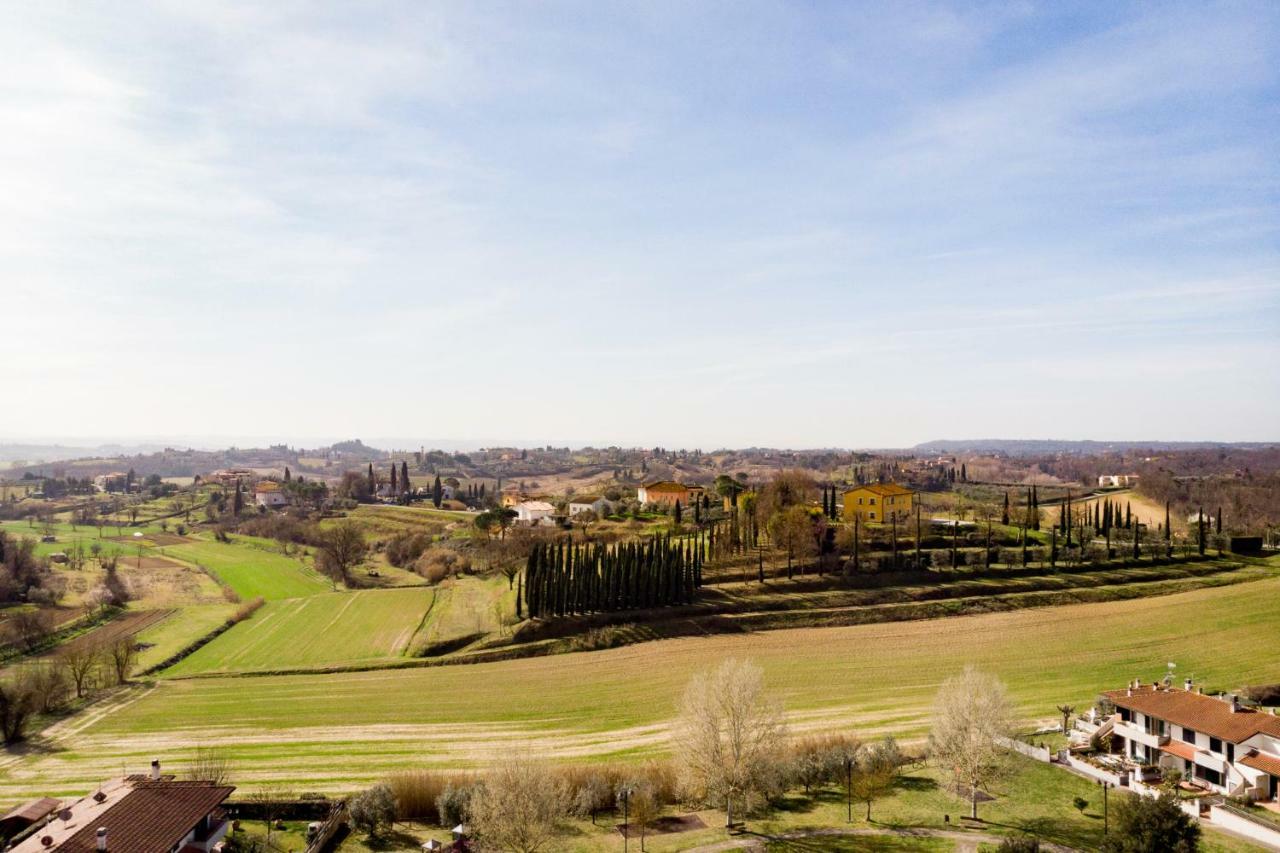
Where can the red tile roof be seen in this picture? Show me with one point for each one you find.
(1180, 749)
(33, 811)
(1203, 713)
(882, 489)
(1261, 761)
(150, 818)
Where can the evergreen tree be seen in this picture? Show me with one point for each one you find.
(404, 477)
(394, 487)
(1128, 516)
(676, 512)
(1004, 516)
(1200, 527)
(286, 474)
(1217, 522)
(964, 473)
(373, 482)
(1035, 507)
(437, 492)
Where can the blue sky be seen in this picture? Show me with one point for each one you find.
(689, 224)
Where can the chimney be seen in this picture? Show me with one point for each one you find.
(102, 838)
(1186, 685)
(155, 770)
(1235, 703)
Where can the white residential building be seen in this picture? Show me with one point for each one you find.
(534, 512)
(588, 503)
(269, 494)
(1215, 741)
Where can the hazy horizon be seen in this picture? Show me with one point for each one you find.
(706, 225)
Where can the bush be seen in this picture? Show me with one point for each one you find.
(1147, 825)
(405, 548)
(373, 810)
(438, 563)
(454, 804)
(1020, 844)
(1263, 694)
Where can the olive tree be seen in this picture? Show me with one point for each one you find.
(519, 806)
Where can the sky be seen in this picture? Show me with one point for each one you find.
(688, 224)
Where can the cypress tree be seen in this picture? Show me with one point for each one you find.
(676, 512)
(1217, 524)
(404, 477)
(1200, 526)
(373, 482)
(1035, 506)
(1128, 516)
(519, 591)
(287, 476)
(1137, 548)
(437, 492)
(1168, 532)
(394, 487)
(1004, 516)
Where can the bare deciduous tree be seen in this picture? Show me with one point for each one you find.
(341, 549)
(210, 764)
(123, 654)
(971, 711)
(519, 806)
(730, 736)
(78, 661)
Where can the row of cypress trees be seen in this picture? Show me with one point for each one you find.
(567, 579)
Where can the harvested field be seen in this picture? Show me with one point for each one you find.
(125, 625)
(337, 731)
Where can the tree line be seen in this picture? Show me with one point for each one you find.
(564, 579)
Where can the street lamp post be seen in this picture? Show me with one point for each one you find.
(626, 818)
(1105, 819)
(848, 787)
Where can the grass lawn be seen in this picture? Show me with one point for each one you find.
(338, 731)
(1034, 799)
(465, 607)
(252, 571)
(328, 629)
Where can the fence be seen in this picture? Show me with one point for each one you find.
(1232, 818)
(1039, 753)
(336, 820)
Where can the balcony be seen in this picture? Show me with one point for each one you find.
(1129, 731)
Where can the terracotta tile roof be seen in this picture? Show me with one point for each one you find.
(1180, 749)
(33, 811)
(1261, 761)
(1203, 713)
(665, 486)
(267, 486)
(151, 817)
(882, 489)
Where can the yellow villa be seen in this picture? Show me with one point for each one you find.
(878, 503)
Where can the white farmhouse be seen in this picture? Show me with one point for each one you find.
(534, 512)
(588, 503)
(268, 494)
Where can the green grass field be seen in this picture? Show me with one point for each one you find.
(252, 571)
(160, 642)
(329, 629)
(336, 731)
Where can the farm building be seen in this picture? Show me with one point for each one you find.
(230, 476)
(116, 481)
(877, 503)
(1116, 480)
(668, 492)
(269, 494)
(133, 814)
(588, 503)
(1216, 742)
(534, 512)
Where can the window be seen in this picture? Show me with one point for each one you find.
(1189, 735)
(1231, 752)
(1212, 776)
(873, 515)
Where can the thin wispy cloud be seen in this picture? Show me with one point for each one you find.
(710, 224)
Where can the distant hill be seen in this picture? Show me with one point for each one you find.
(37, 453)
(1049, 446)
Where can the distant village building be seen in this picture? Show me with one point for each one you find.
(668, 492)
(230, 476)
(588, 503)
(534, 512)
(511, 496)
(1115, 481)
(269, 494)
(116, 481)
(128, 815)
(878, 503)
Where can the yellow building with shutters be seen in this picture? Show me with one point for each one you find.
(877, 503)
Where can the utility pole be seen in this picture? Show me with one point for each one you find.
(848, 786)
